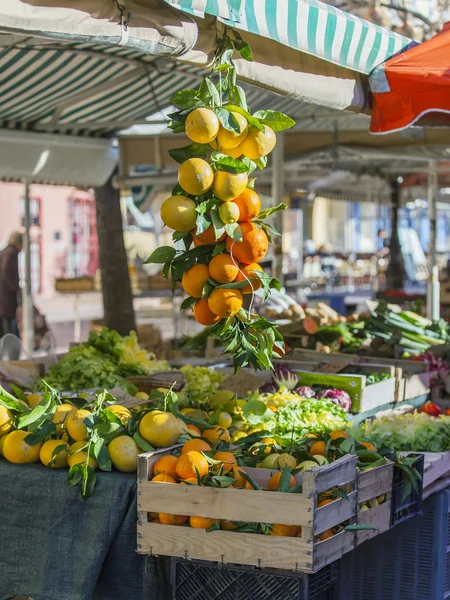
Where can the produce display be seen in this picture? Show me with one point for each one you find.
(381, 333)
(417, 431)
(104, 361)
(215, 212)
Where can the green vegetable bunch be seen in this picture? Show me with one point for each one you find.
(309, 416)
(202, 383)
(413, 431)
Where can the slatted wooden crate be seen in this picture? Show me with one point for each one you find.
(374, 485)
(303, 553)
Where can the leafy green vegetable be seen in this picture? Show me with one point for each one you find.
(306, 416)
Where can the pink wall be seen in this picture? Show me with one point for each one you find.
(53, 218)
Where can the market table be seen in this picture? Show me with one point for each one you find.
(56, 546)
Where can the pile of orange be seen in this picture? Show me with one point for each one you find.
(236, 203)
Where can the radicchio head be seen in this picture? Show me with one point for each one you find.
(304, 391)
(283, 376)
(338, 397)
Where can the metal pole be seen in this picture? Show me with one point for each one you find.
(27, 297)
(277, 197)
(433, 288)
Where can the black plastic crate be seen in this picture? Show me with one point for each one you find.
(199, 580)
(411, 562)
(412, 505)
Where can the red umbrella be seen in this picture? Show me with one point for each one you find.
(413, 87)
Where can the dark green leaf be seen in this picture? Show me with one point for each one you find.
(75, 475)
(187, 303)
(177, 190)
(264, 214)
(184, 98)
(186, 152)
(18, 392)
(88, 482)
(45, 431)
(250, 479)
(239, 97)
(109, 431)
(161, 255)
(218, 225)
(208, 288)
(179, 235)
(275, 120)
(244, 49)
(285, 480)
(109, 415)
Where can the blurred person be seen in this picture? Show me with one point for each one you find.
(9, 284)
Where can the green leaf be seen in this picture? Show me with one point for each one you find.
(186, 152)
(61, 448)
(219, 226)
(264, 214)
(45, 431)
(223, 162)
(244, 49)
(234, 231)
(161, 255)
(207, 289)
(250, 166)
(109, 431)
(251, 183)
(261, 163)
(258, 409)
(179, 235)
(225, 59)
(143, 445)
(102, 455)
(88, 481)
(285, 480)
(227, 120)
(108, 415)
(46, 407)
(202, 223)
(184, 98)
(275, 120)
(250, 120)
(11, 403)
(20, 394)
(239, 97)
(75, 475)
(187, 303)
(219, 248)
(208, 92)
(250, 479)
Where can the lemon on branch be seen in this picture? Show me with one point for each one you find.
(228, 186)
(202, 125)
(229, 212)
(231, 139)
(179, 213)
(195, 176)
(258, 143)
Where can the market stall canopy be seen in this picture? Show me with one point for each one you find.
(413, 87)
(90, 66)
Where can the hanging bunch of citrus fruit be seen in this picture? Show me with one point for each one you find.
(216, 213)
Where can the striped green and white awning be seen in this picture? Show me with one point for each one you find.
(306, 25)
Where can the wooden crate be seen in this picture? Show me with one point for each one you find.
(371, 485)
(293, 553)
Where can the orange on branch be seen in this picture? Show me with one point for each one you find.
(190, 463)
(225, 302)
(231, 139)
(207, 237)
(249, 204)
(179, 213)
(318, 448)
(227, 459)
(194, 280)
(274, 481)
(253, 247)
(203, 314)
(223, 268)
(217, 434)
(198, 445)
